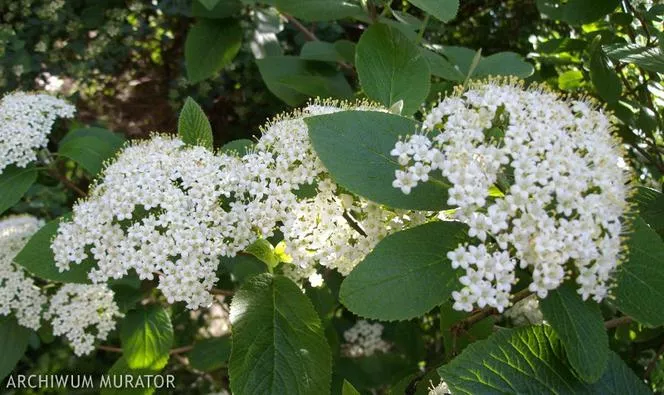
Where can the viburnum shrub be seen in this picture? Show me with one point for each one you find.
(498, 240)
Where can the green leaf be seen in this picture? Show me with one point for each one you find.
(90, 147)
(294, 80)
(530, 360)
(581, 330)
(504, 63)
(210, 354)
(147, 337)
(651, 207)
(604, 77)
(570, 80)
(121, 368)
(576, 12)
(318, 10)
(444, 10)
(220, 10)
(348, 389)
(278, 342)
(13, 343)
(441, 67)
(14, 183)
(406, 275)
(639, 287)
(355, 148)
(37, 257)
(346, 49)
(319, 50)
(210, 46)
(391, 68)
(501, 63)
(209, 4)
(650, 59)
(193, 126)
(264, 251)
(241, 146)
(242, 267)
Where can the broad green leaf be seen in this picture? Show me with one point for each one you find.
(391, 68)
(504, 63)
(346, 49)
(650, 59)
(147, 336)
(242, 267)
(121, 368)
(37, 257)
(355, 148)
(406, 275)
(210, 46)
(570, 80)
(215, 9)
(264, 42)
(604, 77)
(576, 12)
(441, 67)
(444, 10)
(501, 63)
(530, 360)
(193, 125)
(295, 80)
(319, 10)
(210, 354)
(319, 86)
(348, 389)
(14, 183)
(278, 342)
(580, 327)
(264, 251)
(90, 147)
(651, 207)
(13, 343)
(319, 50)
(209, 4)
(639, 289)
(241, 146)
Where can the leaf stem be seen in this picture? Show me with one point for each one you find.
(66, 182)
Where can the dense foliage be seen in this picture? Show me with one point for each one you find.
(456, 196)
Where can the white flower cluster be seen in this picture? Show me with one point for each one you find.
(83, 313)
(18, 293)
(539, 180)
(440, 389)
(172, 210)
(26, 120)
(525, 312)
(158, 211)
(364, 339)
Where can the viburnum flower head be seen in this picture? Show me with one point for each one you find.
(539, 180)
(26, 120)
(18, 292)
(83, 313)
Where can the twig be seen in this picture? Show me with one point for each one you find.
(308, 33)
(311, 36)
(354, 224)
(617, 322)
(174, 351)
(109, 348)
(653, 363)
(181, 350)
(482, 314)
(66, 182)
(225, 292)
